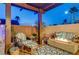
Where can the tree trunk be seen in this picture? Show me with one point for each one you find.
(73, 18)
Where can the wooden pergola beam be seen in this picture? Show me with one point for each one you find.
(49, 6)
(39, 26)
(8, 27)
(27, 6)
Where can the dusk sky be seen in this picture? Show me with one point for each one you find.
(53, 16)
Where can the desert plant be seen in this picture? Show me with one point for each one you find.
(34, 34)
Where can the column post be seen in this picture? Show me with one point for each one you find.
(8, 27)
(39, 26)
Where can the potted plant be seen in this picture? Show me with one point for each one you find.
(34, 36)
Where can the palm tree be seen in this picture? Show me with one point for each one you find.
(36, 24)
(65, 21)
(17, 18)
(73, 10)
(43, 24)
(50, 24)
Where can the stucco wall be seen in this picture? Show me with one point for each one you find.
(67, 28)
(28, 30)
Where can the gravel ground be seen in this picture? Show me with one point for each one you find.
(48, 50)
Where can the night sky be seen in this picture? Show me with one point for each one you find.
(53, 16)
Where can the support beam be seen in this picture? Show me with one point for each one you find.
(27, 6)
(49, 6)
(39, 26)
(8, 27)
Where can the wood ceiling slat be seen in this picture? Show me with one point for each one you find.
(36, 6)
(24, 5)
